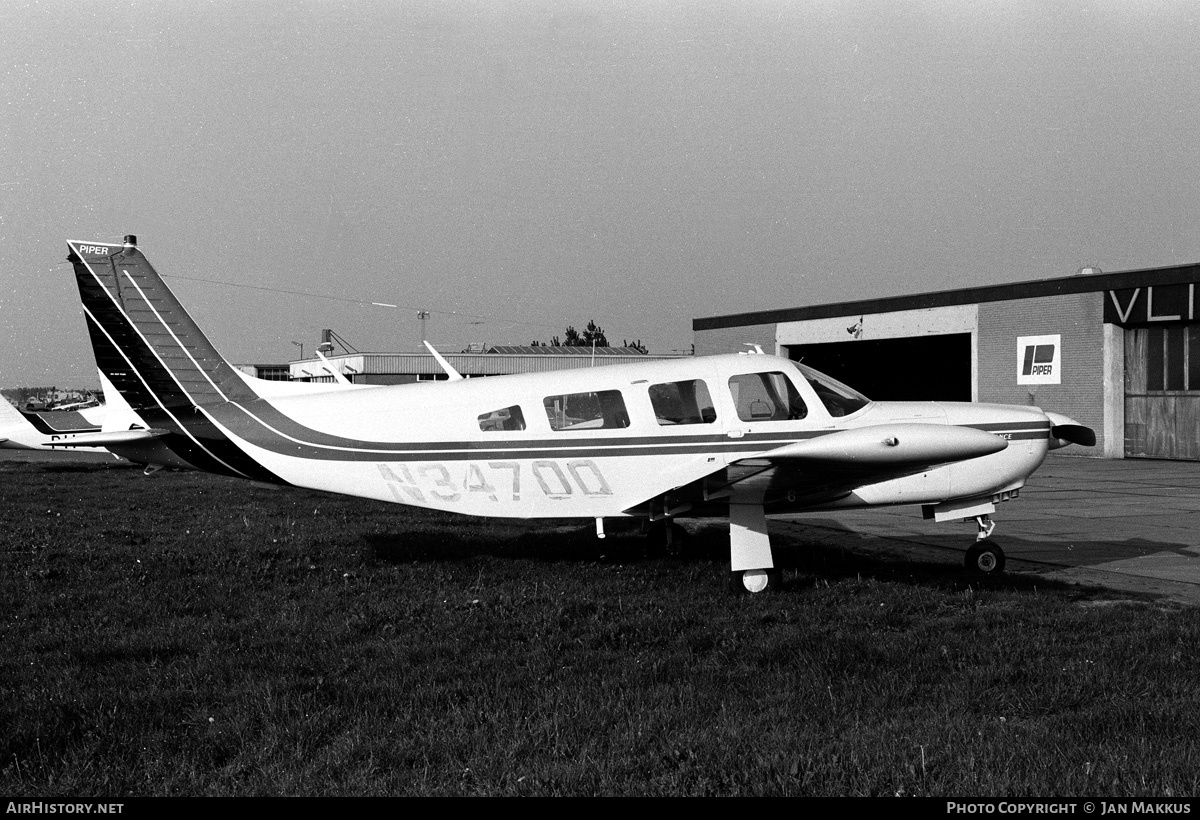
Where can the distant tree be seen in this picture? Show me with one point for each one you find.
(638, 346)
(592, 334)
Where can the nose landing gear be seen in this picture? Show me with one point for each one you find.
(985, 558)
(986, 526)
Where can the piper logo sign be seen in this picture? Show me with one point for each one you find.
(1039, 359)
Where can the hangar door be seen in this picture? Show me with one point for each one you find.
(1162, 391)
(916, 368)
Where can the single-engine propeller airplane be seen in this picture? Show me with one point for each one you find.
(110, 427)
(740, 435)
(113, 427)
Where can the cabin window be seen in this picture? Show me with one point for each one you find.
(766, 397)
(682, 403)
(602, 410)
(838, 399)
(508, 418)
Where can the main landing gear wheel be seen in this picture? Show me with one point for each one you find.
(755, 581)
(985, 558)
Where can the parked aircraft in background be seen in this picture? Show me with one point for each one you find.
(113, 427)
(95, 429)
(743, 435)
(24, 430)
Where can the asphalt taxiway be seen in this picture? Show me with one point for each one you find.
(1131, 525)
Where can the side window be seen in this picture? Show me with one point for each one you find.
(682, 403)
(766, 397)
(603, 410)
(838, 399)
(508, 418)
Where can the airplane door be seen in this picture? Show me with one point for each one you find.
(765, 408)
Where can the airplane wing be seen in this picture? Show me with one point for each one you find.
(834, 464)
(105, 439)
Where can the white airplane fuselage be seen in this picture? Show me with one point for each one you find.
(424, 444)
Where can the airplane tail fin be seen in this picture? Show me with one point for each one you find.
(145, 342)
(8, 413)
(11, 420)
(157, 358)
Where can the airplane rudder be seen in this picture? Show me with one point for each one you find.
(9, 414)
(146, 326)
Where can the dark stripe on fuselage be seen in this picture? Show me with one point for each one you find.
(1016, 431)
(263, 425)
(1009, 426)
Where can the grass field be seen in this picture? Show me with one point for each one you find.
(188, 635)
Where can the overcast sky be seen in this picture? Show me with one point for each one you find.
(515, 167)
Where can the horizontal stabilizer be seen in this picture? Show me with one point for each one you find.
(890, 445)
(105, 439)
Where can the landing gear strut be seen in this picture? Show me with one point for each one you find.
(985, 559)
(669, 537)
(986, 526)
(751, 564)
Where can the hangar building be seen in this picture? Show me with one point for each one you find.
(1119, 352)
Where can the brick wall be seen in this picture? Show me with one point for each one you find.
(1079, 319)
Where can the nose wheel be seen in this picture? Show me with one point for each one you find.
(985, 558)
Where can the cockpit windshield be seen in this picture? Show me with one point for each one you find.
(839, 399)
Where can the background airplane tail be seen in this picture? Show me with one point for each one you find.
(8, 413)
(11, 420)
(144, 341)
